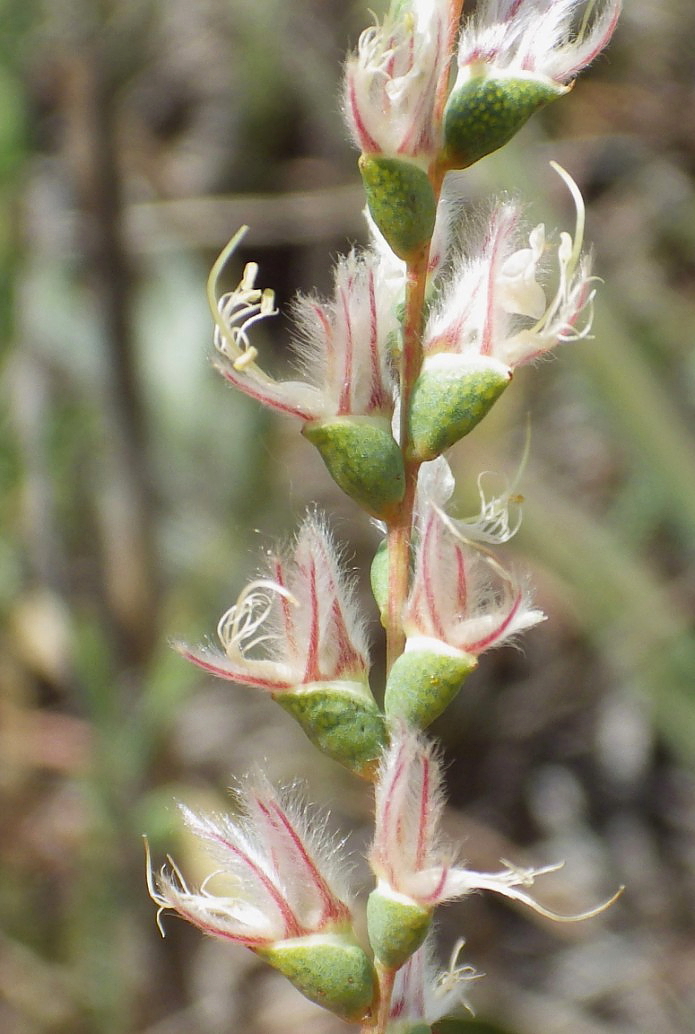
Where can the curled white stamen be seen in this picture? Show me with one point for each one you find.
(236, 312)
(450, 981)
(154, 892)
(510, 880)
(238, 626)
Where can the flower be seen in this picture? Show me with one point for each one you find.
(534, 39)
(461, 599)
(281, 879)
(303, 615)
(313, 657)
(408, 855)
(282, 896)
(391, 81)
(343, 346)
(423, 995)
(499, 516)
(514, 56)
(494, 311)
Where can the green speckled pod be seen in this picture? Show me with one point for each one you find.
(379, 576)
(363, 459)
(342, 720)
(396, 928)
(331, 970)
(449, 399)
(401, 201)
(422, 683)
(485, 113)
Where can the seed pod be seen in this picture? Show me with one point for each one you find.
(450, 397)
(396, 927)
(329, 969)
(486, 112)
(401, 202)
(363, 459)
(342, 719)
(423, 682)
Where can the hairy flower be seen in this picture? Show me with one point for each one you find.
(422, 994)
(461, 598)
(408, 855)
(343, 345)
(278, 874)
(535, 39)
(495, 310)
(391, 81)
(302, 615)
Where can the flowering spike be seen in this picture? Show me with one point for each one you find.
(405, 358)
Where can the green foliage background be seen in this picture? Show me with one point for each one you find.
(135, 137)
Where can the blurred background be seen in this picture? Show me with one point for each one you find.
(137, 491)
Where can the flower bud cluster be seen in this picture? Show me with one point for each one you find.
(422, 333)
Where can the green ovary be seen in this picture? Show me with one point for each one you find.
(447, 404)
(485, 113)
(401, 202)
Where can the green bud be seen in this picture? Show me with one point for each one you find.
(401, 201)
(485, 113)
(450, 397)
(422, 683)
(379, 576)
(329, 969)
(396, 928)
(342, 719)
(363, 459)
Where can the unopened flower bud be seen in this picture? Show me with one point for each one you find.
(450, 397)
(379, 578)
(485, 112)
(423, 681)
(341, 719)
(401, 202)
(363, 459)
(329, 969)
(397, 927)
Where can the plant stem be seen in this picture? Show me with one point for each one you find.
(400, 528)
(387, 978)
